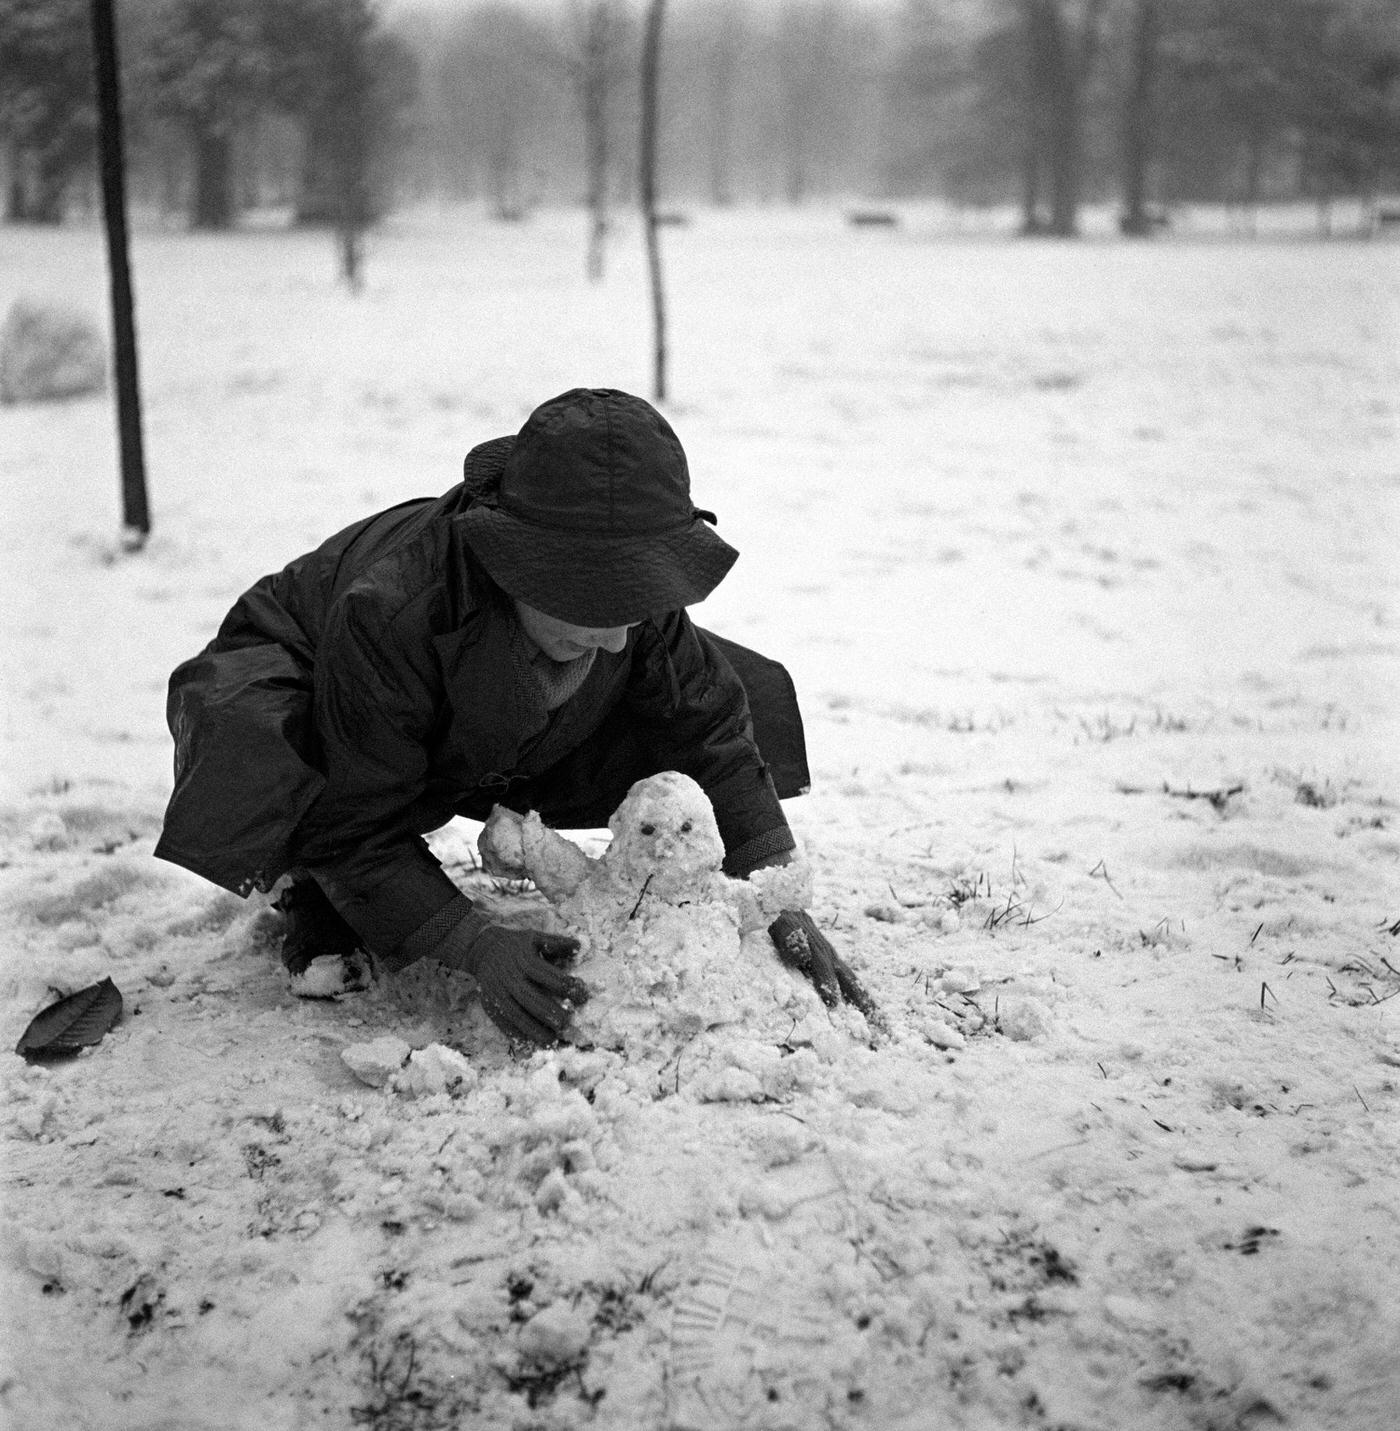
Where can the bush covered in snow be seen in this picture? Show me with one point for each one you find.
(49, 352)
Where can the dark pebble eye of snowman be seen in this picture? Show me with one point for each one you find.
(685, 829)
(648, 829)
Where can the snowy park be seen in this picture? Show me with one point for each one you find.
(1083, 560)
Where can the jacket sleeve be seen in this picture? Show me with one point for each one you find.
(694, 717)
(377, 697)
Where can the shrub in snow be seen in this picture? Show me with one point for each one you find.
(49, 352)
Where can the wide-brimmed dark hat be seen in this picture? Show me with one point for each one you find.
(592, 521)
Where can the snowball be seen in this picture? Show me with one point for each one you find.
(960, 980)
(1129, 1312)
(435, 1069)
(569, 1119)
(946, 921)
(42, 1256)
(874, 1087)
(782, 1143)
(48, 832)
(552, 1191)
(30, 1119)
(376, 1062)
(1196, 1160)
(941, 1033)
(1023, 1019)
(766, 1197)
(555, 1336)
(730, 1085)
(331, 975)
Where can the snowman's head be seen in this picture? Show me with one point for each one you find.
(665, 832)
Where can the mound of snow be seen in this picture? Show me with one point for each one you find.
(47, 352)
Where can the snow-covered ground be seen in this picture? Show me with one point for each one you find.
(1084, 560)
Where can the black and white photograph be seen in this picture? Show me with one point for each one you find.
(699, 715)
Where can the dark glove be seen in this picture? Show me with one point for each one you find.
(802, 946)
(527, 996)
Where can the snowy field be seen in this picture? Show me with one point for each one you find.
(1084, 561)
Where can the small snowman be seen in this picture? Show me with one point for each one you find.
(662, 929)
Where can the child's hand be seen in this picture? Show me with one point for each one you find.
(802, 946)
(524, 989)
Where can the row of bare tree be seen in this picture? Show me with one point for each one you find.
(762, 101)
(1156, 101)
(319, 105)
(1049, 102)
(222, 99)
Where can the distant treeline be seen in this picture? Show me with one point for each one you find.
(229, 105)
(330, 111)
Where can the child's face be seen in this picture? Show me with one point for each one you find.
(563, 641)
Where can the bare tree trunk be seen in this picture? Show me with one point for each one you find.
(353, 202)
(316, 199)
(1324, 215)
(351, 240)
(597, 141)
(1038, 86)
(43, 173)
(136, 515)
(9, 152)
(14, 183)
(172, 178)
(213, 178)
(1253, 179)
(1062, 125)
(795, 174)
(595, 80)
(60, 162)
(723, 72)
(49, 200)
(808, 40)
(503, 172)
(651, 66)
(1138, 119)
(1032, 221)
(1080, 54)
(1058, 66)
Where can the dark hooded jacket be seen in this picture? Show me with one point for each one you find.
(376, 687)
